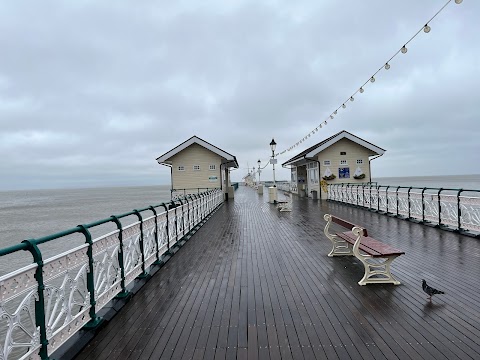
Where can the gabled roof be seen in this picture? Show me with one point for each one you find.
(315, 149)
(230, 160)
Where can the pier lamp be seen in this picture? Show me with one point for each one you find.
(259, 171)
(273, 145)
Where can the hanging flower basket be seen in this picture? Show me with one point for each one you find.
(358, 177)
(327, 178)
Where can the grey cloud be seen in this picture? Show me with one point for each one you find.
(92, 92)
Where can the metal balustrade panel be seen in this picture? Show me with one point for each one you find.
(402, 198)
(416, 205)
(19, 337)
(149, 244)
(67, 299)
(107, 272)
(449, 210)
(162, 233)
(382, 199)
(172, 228)
(470, 210)
(131, 252)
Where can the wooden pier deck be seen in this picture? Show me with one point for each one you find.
(256, 283)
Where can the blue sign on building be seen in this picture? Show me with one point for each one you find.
(344, 173)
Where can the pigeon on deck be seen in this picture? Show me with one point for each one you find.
(429, 290)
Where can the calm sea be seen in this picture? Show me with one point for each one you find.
(36, 213)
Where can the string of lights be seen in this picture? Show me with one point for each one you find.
(385, 66)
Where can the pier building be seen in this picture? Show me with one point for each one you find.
(341, 158)
(197, 165)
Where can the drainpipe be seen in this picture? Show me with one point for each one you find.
(370, 167)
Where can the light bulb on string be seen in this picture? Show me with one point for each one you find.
(404, 49)
(325, 122)
(372, 79)
(344, 106)
(387, 66)
(426, 29)
(335, 112)
(331, 117)
(361, 90)
(458, 1)
(351, 98)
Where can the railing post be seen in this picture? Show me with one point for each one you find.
(378, 197)
(408, 200)
(459, 211)
(94, 319)
(188, 214)
(40, 300)
(386, 195)
(157, 262)
(370, 196)
(176, 222)
(439, 208)
(423, 204)
(363, 195)
(142, 249)
(396, 192)
(124, 292)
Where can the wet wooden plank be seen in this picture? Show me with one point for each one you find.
(256, 283)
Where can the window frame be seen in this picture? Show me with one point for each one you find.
(327, 161)
(212, 167)
(181, 168)
(196, 168)
(343, 162)
(359, 161)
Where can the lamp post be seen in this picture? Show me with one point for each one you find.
(273, 145)
(260, 186)
(259, 171)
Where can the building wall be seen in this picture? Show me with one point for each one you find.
(353, 152)
(192, 179)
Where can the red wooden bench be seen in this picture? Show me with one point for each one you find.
(375, 255)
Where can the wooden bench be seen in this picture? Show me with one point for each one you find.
(375, 256)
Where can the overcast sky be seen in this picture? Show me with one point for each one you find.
(91, 92)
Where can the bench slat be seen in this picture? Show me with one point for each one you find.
(346, 224)
(370, 245)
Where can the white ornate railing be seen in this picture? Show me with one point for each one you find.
(44, 304)
(453, 208)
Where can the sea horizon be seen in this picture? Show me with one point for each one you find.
(114, 186)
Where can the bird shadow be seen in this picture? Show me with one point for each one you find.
(430, 306)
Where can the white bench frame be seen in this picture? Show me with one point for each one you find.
(285, 205)
(377, 269)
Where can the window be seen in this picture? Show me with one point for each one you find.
(359, 161)
(211, 167)
(312, 174)
(196, 167)
(343, 173)
(326, 163)
(343, 162)
(181, 168)
(294, 176)
(343, 153)
(312, 165)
